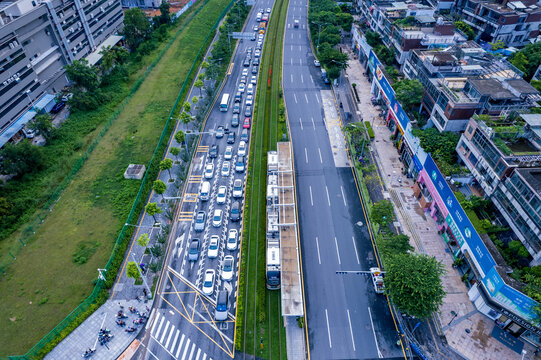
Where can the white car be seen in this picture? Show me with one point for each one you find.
(217, 218)
(260, 37)
(208, 282)
(316, 63)
(228, 268)
(268, 10)
(212, 253)
(242, 87)
(226, 168)
(257, 53)
(254, 79)
(222, 195)
(244, 72)
(250, 99)
(250, 89)
(242, 148)
(243, 79)
(232, 239)
(237, 188)
(228, 154)
(209, 171)
(259, 45)
(256, 27)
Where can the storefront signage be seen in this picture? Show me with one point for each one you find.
(507, 339)
(459, 217)
(384, 85)
(508, 297)
(400, 114)
(417, 163)
(454, 230)
(430, 185)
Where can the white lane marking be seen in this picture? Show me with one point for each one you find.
(311, 78)
(320, 158)
(186, 349)
(300, 61)
(300, 120)
(313, 124)
(150, 321)
(101, 327)
(169, 337)
(328, 198)
(337, 252)
(198, 354)
(191, 352)
(292, 78)
(351, 332)
(318, 256)
(300, 48)
(355, 247)
(317, 98)
(291, 61)
(343, 197)
(205, 356)
(175, 340)
(159, 326)
(180, 346)
(165, 331)
(292, 35)
(295, 97)
(155, 322)
(374, 333)
(306, 155)
(302, 79)
(300, 36)
(311, 199)
(291, 47)
(328, 328)
(306, 97)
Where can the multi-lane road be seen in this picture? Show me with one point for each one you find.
(345, 318)
(182, 324)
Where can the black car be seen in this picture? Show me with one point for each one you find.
(235, 120)
(238, 97)
(253, 37)
(235, 211)
(193, 251)
(213, 152)
(59, 106)
(254, 70)
(231, 137)
(247, 62)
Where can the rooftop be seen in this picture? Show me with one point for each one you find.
(492, 88)
(532, 177)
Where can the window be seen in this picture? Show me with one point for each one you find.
(469, 129)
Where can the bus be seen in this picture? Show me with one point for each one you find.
(225, 102)
(262, 26)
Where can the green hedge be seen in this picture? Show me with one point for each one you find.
(369, 130)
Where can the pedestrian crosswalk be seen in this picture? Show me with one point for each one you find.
(178, 345)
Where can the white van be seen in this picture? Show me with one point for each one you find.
(250, 90)
(205, 191)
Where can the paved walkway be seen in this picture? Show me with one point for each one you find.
(295, 339)
(422, 230)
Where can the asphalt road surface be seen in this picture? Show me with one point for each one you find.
(346, 318)
(182, 324)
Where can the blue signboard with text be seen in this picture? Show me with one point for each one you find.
(463, 224)
(400, 114)
(380, 77)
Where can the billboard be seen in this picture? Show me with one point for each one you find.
(376, 67)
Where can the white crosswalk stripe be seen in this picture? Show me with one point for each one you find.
(168, 337)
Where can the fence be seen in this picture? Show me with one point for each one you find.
(99, 294)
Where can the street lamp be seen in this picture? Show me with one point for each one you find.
(454, 316)
(341, 68)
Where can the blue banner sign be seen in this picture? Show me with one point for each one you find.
(462, 224)
(400, 114)
(376, 67)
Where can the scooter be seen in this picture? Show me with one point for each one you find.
(88, 353)
(120, 323)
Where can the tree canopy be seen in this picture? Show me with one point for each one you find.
(83, 75)
(21, 158)
(441, 145)
(143, 240)
(132, 270)
(466, 29)
(43, 124)
(382, 212)
(152, 209)
(136, 27)
(159, 187)
(409, 92)
(413, 281)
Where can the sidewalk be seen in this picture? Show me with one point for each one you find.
(467, 333)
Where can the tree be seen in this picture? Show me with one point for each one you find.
(533, 55)
(152, 209)
(199, 84)
(497, 45)
(185, 117)
(413, 281)
(466, 29)
(136, 27)
(132, 270)
(43, 125)
(372, 38)
(175, 151)
(205, 65)
(384, 54)
(382, 212)
(21, 158)
(195, 100)
(394, 244)
(520, 61)
(442, 145)
(110, 56)
(166, 164)
(165, 16)
(82, 74)
(159, 187)
(180, 136)
(409, 92)
(202, 76)
(143, 240)
(187, 106)
(345, 20)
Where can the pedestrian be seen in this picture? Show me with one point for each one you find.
(145, 292)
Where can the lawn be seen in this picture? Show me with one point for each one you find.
(43, 285)
(259, 310)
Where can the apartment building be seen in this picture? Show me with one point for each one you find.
(404, 26)
(504, 156)
(516, 23)
(143, 4)
(37, 38)
(464, 80)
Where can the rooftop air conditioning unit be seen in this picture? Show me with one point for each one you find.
(11, 46)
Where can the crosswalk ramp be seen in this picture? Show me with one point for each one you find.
(178, 345)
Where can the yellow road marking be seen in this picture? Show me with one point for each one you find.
(230, 68)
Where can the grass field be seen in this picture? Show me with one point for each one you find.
(43, 285)
(260, 309)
